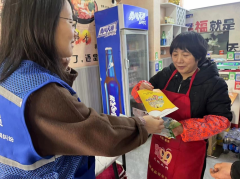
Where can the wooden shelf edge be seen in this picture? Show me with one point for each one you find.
(174, 25)
(165, 46)
(165, 56)
(166, 5)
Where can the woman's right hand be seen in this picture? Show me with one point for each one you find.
(153, 124)
(146, 86)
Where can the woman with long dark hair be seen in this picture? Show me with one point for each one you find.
(45, 131)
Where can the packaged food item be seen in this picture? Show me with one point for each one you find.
(169, 123)
(156, 103)
(169, 20)
(221, 52)
(230, 56)
(166, 20)
(237, 56)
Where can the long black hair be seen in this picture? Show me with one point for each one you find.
(192, 42)
(27, 32)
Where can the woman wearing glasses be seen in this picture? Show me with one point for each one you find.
(45, 131)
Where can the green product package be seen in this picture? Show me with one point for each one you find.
(232, 75)
(169, 124)
(230, 55)
(160, 65)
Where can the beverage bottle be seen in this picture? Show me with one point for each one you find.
(166, 20)
(225, 146)
(112, 86)
(236, 149)
(168, 38)
(232, 147)
(163, 40)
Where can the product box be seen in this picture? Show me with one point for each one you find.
(237, 56)
(230, 56)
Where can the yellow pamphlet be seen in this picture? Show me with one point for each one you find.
(156, 103)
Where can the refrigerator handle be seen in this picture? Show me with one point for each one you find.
(126, 63)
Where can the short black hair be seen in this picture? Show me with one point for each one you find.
(192, 42)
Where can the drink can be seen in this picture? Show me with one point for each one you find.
(221, 52)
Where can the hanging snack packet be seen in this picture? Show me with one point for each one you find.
(156, 103)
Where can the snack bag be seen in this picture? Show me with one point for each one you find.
(169, 123)
(156, 103)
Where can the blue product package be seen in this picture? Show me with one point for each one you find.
(232, 147)
(237, 56)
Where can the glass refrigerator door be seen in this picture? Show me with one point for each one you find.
(136, 61)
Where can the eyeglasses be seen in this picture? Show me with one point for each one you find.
(73, 22)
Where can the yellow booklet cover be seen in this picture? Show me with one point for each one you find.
(156, 103)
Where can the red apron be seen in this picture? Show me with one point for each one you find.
(173, 158)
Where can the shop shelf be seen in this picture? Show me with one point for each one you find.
(138, 50)
(167, 5)
(132, 71)
(165, 46)
(176, 12)
(174, 25)
(165, 56)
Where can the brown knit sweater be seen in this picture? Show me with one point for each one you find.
(60, 125)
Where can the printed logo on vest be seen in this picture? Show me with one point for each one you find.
(1, 125)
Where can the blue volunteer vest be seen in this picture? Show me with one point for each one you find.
(18, 158)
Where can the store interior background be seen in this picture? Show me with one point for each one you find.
(89, 71)
(88, 80)
(203, 12)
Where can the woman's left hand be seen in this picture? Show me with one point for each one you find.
(178, 130)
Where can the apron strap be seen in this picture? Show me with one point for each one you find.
(174, 73)
(190, 86)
